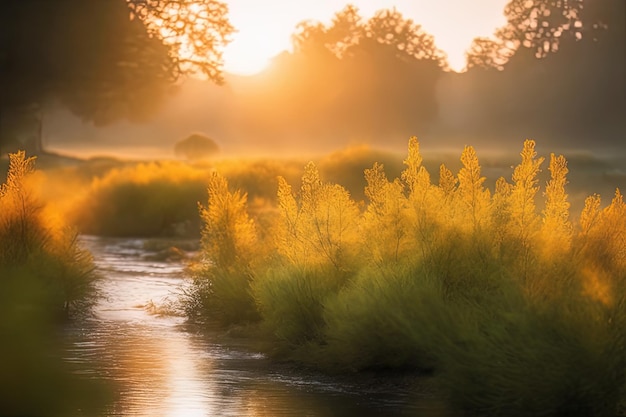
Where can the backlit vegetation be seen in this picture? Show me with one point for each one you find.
(515, 304)
(146, 199)
(156, 198)
(44, 275)
(34, 243)
(105, 196)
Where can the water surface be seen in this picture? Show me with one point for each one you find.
(161, 366)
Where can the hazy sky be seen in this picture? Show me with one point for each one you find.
(265, 26)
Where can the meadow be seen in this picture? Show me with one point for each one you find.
(509, 272)
(117, 197)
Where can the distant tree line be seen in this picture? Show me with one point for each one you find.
(352, 77)
(556, 69)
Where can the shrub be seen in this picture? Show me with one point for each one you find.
(196, 146)
(152, 199)
(518, 311)
(31, 244)
(383, 320)
(518, 359)
(43, 275)
(291, 302)
(222, 278)
(318, 227)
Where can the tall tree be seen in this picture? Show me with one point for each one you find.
(366, 78)
(104, 60)
(563, 62)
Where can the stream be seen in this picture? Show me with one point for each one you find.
(162, 366)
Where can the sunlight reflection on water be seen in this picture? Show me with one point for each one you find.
(161, 367)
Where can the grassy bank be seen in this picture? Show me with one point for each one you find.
(44, 278)
(515, 305)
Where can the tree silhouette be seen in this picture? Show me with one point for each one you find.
(540, 24)
(562, 62)
(104, 60)
(357, 77)
(484, 53)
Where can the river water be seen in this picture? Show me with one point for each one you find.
(161, 366)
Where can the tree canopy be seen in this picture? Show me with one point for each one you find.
(104, 60)
(562, 65)
(353, 77)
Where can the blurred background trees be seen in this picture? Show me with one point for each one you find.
(104, 60)
(553, 72)
(562, 68)
(352, 78)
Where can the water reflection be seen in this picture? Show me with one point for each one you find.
(161, 367)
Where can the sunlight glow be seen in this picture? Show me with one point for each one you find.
(264, 28)
(244, 59)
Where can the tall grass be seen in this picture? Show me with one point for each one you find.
(149, 199)
(33, 243)
(516, 306)
(221, 279)
(44, 275)
(115, 197)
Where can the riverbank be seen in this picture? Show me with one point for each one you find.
(164, 365)
(518, 310)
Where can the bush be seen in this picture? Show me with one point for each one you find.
(196, 146)
(44, 275)
(383, 320)
(32, 244)
(519, 359)
(154, 199)
(518, 311)
(222, 279)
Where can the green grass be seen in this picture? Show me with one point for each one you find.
(45, 277)
(516, 307)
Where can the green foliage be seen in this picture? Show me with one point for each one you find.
(518, 312)
(383, 320)
(220, 296)
(222, 279)
(519, 357)
(32, 244)
(20, 218)
(44, 275)
(291, 301)
(152, 199)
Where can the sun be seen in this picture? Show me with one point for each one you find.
(258, 38)
(244, 58)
